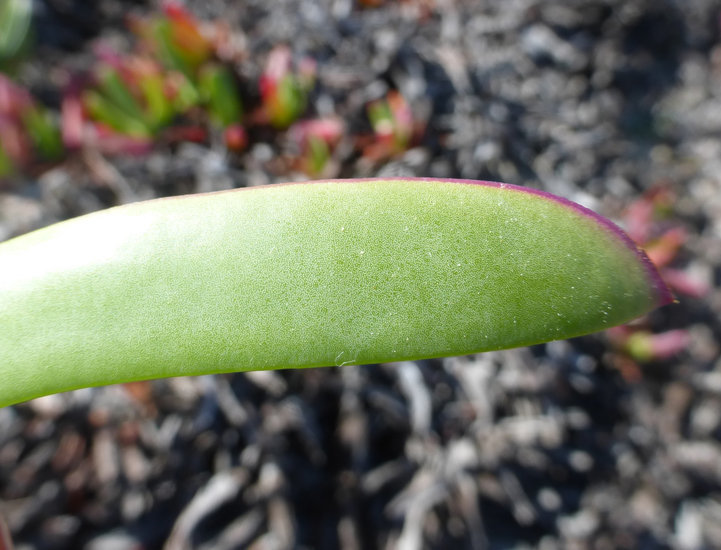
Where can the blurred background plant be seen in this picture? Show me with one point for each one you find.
(392, 121)
(179, 83)
(651, 222)
(28, 133)
(314, 141)
(284, 89)
(174, 78)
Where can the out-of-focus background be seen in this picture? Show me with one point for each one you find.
(603, 442)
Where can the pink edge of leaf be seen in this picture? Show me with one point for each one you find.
(661, 290)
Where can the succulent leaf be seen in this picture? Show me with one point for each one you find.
(308, 275)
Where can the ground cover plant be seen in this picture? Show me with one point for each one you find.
(178, 85)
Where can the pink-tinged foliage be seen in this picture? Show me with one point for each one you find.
(685, 284)
(393, 125)
(80, 131)
(315, 140)
(648, 221)
(174, 86)
(187, 35)
(663, 249)
(13, 98)
(72, 118)
(645, 346)
(113, 143)
(133, 100)
(284, 88)
(329, 130)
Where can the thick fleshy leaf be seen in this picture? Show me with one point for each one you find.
(304, 275)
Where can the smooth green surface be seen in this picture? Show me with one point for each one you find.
(329, 273)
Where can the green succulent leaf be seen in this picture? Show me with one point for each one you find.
(160, 107)
(219, 91)
(308, 275)
(170, 54)
(107, 112)
(43, 132)
(117, 92)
